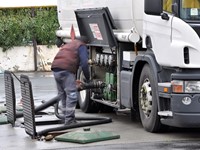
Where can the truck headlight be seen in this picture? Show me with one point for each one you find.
(179, 86)
(192, 86)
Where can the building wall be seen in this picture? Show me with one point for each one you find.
(22, 58)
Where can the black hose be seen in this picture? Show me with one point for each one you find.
(57, 113)
(54, 101)
(91, 121)
(48, 103)
(99, 120)
(62, 117)
(43, 106)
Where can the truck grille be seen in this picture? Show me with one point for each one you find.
(186, 55)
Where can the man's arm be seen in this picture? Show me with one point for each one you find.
(83, 55)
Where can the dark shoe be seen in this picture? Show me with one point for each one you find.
(71, 122)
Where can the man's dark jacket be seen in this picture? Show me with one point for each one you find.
(67, 58)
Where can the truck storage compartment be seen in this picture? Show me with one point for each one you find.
(125, 88)
(97, 25)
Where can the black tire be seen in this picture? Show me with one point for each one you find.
(106, 109)
(135, 116)
(84, 101)
(147, 100)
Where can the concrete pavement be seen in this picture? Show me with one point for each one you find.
(132, 135)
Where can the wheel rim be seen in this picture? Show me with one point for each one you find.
(83, 96)
(146, 98)
(83, 92)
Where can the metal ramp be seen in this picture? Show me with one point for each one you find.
(10, 97)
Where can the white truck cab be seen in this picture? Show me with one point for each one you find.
(146, 54)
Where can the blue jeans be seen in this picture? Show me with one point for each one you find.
(66, 85)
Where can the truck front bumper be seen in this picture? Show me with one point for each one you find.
(183, 115)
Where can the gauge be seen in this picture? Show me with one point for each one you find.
(110, 60)
(97, 59)
(105, 59)
(102, 59)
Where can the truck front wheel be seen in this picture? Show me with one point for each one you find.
(148, 106)
(84, 101)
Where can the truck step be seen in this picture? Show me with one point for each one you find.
(165, 113)
(125, 110)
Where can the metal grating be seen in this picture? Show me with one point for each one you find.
(28, 106)
(10, 97)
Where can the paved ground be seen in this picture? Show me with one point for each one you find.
(132, 135)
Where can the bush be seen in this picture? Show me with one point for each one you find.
(18, 27)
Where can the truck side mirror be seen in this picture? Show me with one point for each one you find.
(175, 9)
(153, 7)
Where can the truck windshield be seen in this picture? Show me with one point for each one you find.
(190, 10)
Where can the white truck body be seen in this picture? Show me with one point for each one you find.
(156, 58)
(173, 37)
(128, 16)
(128, 21)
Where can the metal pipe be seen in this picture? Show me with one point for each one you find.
(121, 35)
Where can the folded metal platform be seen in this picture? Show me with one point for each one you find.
(29, 113)
(28, 106)
(2, 109)
(10, 97)
(11, 110)
(3, 119)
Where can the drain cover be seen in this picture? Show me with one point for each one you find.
(19, 108)
(3, 119)
(87, 136)
(2, 109)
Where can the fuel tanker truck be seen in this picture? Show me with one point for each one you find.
(144, 56)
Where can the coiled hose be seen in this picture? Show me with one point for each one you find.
(90, 122)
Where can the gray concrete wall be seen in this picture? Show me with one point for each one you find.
(22, 58)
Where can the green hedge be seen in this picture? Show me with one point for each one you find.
(18, 27)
